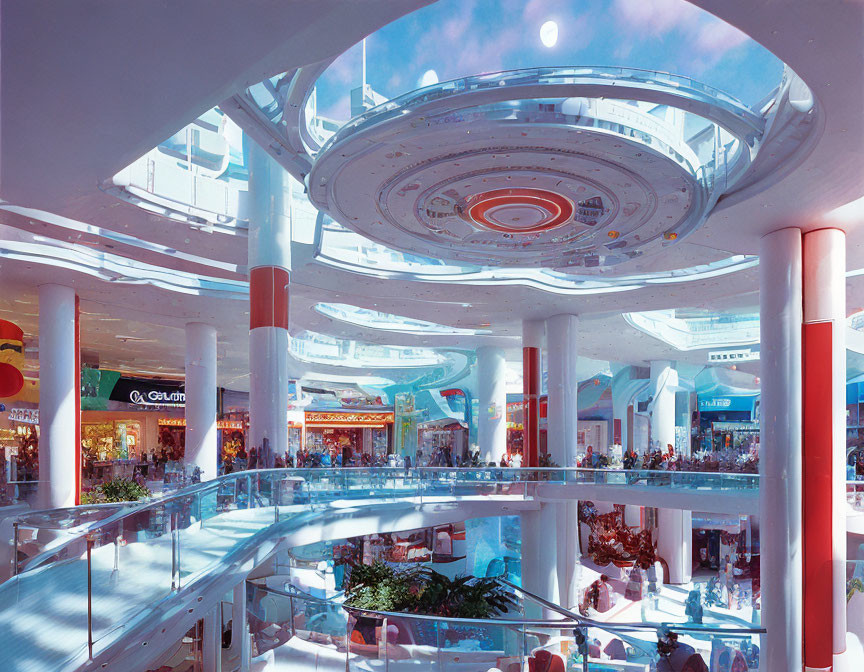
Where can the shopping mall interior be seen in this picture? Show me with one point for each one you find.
(447, 335)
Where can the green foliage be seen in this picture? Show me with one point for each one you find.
(421, 590)
(115, 490)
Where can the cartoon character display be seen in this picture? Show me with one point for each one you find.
(611, 541)
(11, 359)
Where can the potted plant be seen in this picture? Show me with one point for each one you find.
(115, 490)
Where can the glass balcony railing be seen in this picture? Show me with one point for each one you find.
(104, 574)
(730, 113)
(704, 331)
(317, 634)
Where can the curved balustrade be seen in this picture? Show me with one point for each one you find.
(712, 103)
(101, 576)
(343, 482)
(308, 633)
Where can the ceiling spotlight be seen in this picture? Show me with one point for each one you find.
(670, 235)
(549, 34)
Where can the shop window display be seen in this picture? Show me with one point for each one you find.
(26, 458)
(443, 443)
(622, 577)
(349, 439)
(484, 547)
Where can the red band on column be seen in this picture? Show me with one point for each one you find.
(268, 297)
(78, 460)
(531, 409)
(817, 353)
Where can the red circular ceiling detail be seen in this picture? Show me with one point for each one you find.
(519, 210)
(11, 380)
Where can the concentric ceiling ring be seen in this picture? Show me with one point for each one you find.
(517, 211)
(538, 181)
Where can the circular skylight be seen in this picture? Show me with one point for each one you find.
(456, 38)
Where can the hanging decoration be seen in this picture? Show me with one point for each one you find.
(11, 359)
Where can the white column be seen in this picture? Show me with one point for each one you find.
(562, 413)
(663, 380)
(211, 641)
(550, 553)
(268, 391)
(682, 404)
(675, 543)
(492, 403)
(239, 627)
(57, 391)
(675, 527)
(824, 300)
(780, 448)
(201, 439)
(269, 264)
(621, 398)
(551, 560)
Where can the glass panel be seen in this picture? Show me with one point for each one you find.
(56, 598)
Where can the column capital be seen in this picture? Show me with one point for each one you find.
(533, 332)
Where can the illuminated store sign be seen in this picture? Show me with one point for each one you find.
(157, 398)
(28, 416)
(348, 419)
(148, 393)
(726, 404)
(220, 424)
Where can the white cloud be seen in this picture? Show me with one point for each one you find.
(705, 37)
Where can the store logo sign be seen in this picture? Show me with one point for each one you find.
(157, 398)
(28, 416)
(718, 403)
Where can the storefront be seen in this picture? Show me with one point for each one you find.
(230, 436)
(349, 438)
(727, 425)
(19, 439)
(442, 443)
(514, 427)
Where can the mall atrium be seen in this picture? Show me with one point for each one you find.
(446, 335)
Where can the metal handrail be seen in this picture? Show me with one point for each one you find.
(414, 475)
(571, 620)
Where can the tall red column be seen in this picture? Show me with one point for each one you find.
(78, 460)
(532, 341)
(823, 432)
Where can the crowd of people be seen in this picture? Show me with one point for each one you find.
(667, 460)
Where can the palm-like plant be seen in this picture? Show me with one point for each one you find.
(378, 587)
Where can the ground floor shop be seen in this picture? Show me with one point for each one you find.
(346, 438)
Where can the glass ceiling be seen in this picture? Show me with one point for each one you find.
(372, 319)
(458, 38)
